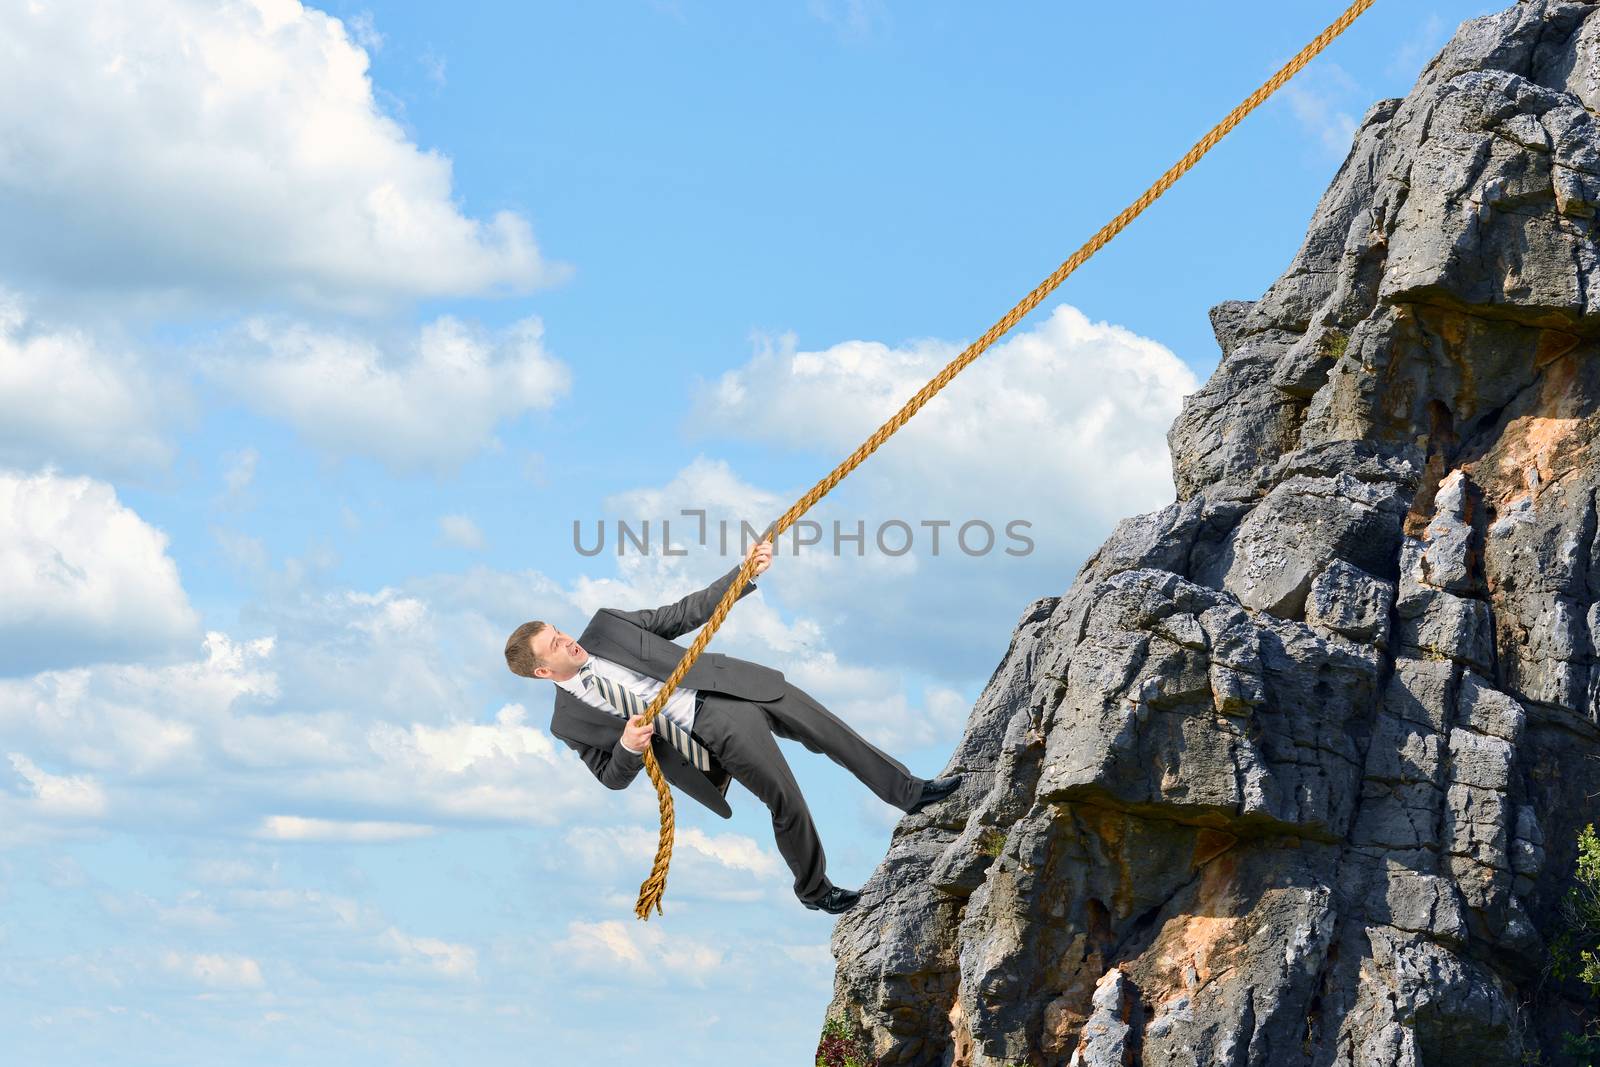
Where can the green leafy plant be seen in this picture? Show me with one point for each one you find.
(1337, 343)
(1584, 1047)
(991, 842)
(1575, 952)
(840, 1047)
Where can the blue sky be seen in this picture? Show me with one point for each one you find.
(320, 328)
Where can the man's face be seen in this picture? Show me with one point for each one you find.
(559, 654)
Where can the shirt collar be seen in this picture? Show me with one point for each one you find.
(574, 685)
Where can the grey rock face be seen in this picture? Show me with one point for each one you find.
(1292, 774)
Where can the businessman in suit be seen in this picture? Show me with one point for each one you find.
(719, 723)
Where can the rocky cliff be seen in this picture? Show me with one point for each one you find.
(1292, 773)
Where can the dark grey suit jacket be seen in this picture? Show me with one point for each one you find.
(643, 640)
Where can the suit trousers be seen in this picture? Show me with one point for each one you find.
(740, 733)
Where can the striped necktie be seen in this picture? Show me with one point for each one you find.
(626, 704)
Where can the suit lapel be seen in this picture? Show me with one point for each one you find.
(583, 722)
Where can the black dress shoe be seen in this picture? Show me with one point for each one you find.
(834, 901)
(933, 791)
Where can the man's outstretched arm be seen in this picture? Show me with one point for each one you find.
(691, 613)
(616, 767)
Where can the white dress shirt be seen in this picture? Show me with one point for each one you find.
(680, 705)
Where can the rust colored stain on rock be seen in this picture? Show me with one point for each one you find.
(1539, 448)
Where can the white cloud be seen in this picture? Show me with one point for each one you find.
(299, 828)
(86, 578)
(66, 400)
(364, 31)
(640, 951)
(393, 614)
(137, 721)
(1321, 98)
(461, 532)
(608, 850)
(250, 739)
(59, 796)
(734, 851)
(240, 471)
(385, 655)
(443, 958)
(1073, 408)
(187, 147)
(215, 971)
(476, 772)
(426, 404)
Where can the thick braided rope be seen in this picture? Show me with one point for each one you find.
(654, 887)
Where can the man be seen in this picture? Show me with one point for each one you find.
(717, 726)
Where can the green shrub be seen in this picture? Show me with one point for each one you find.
(1337, 344)
(840, 1047)
(1575, 952)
